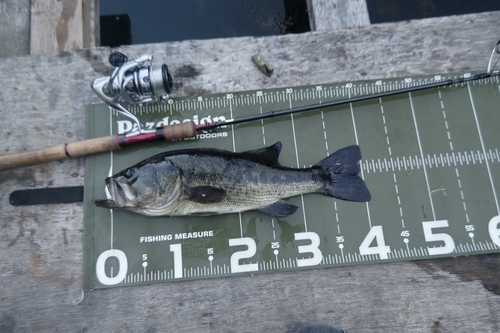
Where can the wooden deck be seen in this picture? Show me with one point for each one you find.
(42, 103)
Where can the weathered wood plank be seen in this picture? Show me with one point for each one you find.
(15, 31)
(338, 14)
(42, 103)
(91, 25)
(56, 26)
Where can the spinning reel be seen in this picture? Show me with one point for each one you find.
(134, 82)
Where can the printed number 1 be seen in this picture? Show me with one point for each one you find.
(176, 249)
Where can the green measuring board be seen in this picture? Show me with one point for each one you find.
(430, 159)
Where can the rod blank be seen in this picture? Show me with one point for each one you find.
(189, 129)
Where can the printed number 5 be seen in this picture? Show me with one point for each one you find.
(449, 244)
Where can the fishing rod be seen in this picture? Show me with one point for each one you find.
(135, 82)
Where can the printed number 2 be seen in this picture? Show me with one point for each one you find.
(376, 233)
(248, 253)
(449, 244)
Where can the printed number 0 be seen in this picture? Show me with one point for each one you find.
(317, 256)
(449, 244)
(494, 230)
(101, 263)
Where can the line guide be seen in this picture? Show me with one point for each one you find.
(430, 158)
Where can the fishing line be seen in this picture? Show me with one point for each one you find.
(135, 82)
(496, 49)
(311, 107)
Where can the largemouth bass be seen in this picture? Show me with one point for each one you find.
(211, 181)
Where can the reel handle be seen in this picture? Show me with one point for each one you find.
(95, 146)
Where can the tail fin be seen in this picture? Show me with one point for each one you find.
(341, 175)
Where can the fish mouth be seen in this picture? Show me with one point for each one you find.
(106, 203)
(121, 192)
(118, 194)
(110, 195)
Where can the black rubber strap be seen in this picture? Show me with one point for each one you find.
(43, 196)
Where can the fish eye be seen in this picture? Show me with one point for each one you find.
(129, 173)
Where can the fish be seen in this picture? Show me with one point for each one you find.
(205, 181)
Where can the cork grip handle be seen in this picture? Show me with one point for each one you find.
(58, 152)
(179, 131)
(94, 146)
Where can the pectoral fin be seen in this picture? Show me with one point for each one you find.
(280, 208)
(205, 194)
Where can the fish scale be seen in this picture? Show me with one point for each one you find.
(430, 159)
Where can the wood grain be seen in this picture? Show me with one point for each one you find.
(338, 14)
(42, 103)
(90, 23)
(56, 26)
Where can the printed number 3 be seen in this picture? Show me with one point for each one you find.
(312, 248)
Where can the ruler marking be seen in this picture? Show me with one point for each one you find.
(298, 164)
(391, 162)
(262, 125)
(336, 215)
(234, 150)
(422, 155)
(357, 143)
(483, 147)
(110, 173)
(456, 169)
(324, 132)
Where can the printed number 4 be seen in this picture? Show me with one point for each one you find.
(376, 233)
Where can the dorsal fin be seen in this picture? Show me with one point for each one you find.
(271, 153)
